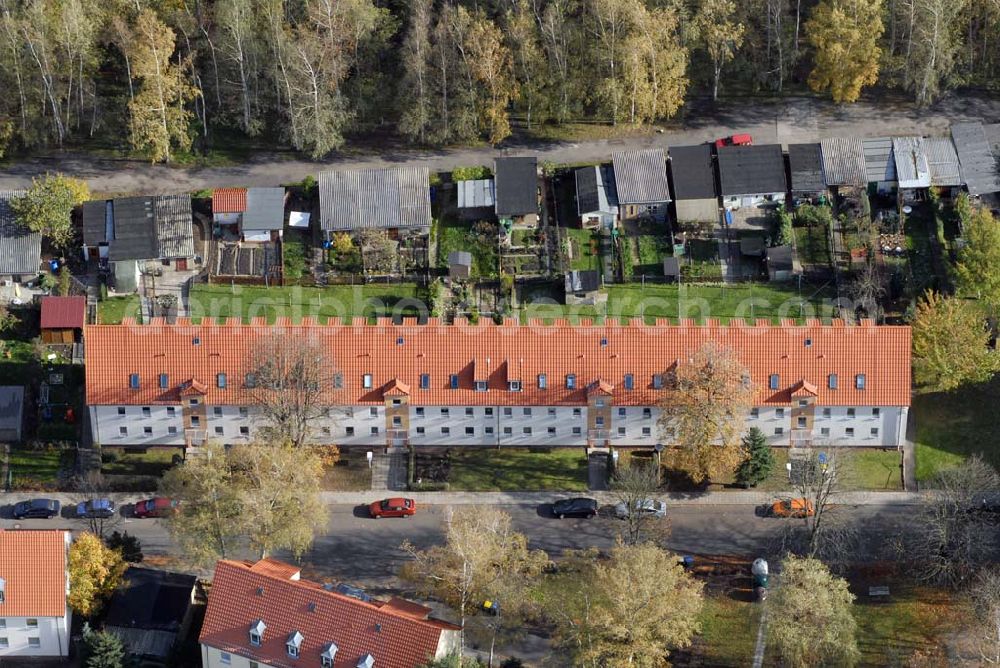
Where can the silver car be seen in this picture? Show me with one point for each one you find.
(646, 507)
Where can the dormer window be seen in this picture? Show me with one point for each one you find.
(629, 381)
(257, 632)
(220, 380)
(367, 661)
(859, 381)
(328, 655)
(133, 381)
(514, 386)
(571, 381)
(543, 381)
(366, 381)
(293, 644)
(774, 381)
(481, 386)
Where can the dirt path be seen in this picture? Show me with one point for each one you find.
(788, 120)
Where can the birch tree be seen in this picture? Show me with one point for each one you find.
(845, 35)
(491, 65)
(609, 23)
(159, 119)
(934, 47)
(240, 42)
(529, 63)
(721, 33)
(657, 70)
(415, 115)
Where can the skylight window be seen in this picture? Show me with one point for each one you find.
(570, 381)
(133, 381)
(366, 381)
(164, 381)
(629, 381)
(831, 381)
(859, 381)
(425, 381)
(657, 381)
(453, 381)
(220, 380)
(774, 381)
(543, 381)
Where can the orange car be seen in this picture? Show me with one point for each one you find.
(792, 508)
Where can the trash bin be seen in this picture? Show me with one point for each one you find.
(687, 562)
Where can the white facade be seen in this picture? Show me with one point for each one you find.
(35, 636)
(377, 425)
(216, 658)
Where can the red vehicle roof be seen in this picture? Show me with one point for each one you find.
(64, 312)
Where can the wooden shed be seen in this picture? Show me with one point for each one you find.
(63, 319)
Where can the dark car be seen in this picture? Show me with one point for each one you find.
(159, 506)
(395, 507)
(577, 507)
(36, 509)
(95, 508)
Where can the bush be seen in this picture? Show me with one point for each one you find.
(309, 185)
(781, 225)
(129, 546)
(809, 215)
(470, 173)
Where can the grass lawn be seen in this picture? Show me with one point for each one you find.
(812, 245)
(585, 249)
(728, 631)
(112, 310)
(870, 469)
(41, 465)
(918, 247)
(915, 621)
(154, 462)
(953, 425)
(723, 302)
(488, 470)
(350, 474)
(369, 301)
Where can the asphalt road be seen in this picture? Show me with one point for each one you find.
(783, 120)
(366, 552)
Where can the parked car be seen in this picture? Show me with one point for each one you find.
(734, 140)
(647, 507)
(580, 506)
(792, 508)
(36, 509)
(95, 508)
(396, 507)
(158, 506)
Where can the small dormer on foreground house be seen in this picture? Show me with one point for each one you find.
(34, 584)
(264, 615)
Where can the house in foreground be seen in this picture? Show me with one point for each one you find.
(20, 248)
(495, 385)
(122, 235)
(396, 200)
(696, 197)
(150, 611)
(516, 191)
(641, 184)
(34, 584)
(596, 197)
(264, 615)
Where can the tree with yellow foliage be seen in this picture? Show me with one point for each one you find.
(845, 35)
(95, 570)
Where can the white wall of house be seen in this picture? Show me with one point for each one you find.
(48, 636)
(658, 211)
(756, 199)
(598, 219)
(488, 425)
(215, 658)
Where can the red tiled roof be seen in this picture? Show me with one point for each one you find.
(242, 594)
(64, 312)
(402, 353)
(229, 200)
(33, 566)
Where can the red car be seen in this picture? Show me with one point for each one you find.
(393, 508)
(159, 506)
(734, 140)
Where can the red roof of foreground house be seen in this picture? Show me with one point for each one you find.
(229, 200)
(33, 567)
(269, 591)
(871, 364)
(64, 312)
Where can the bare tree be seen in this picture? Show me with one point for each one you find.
(290, 378)
(950, 535)
(986, 604)
(94, 486)
(634, 485)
